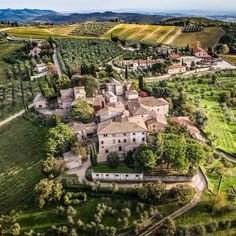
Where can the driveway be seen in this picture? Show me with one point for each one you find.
(55, 60)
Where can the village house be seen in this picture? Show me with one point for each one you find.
(157, 124)
(111, 111)
(110, 97)
(115, 87)
(174, 56)
(158, 105)
(66, 99)
(120, 137)
(200, 53)
(176, 69)
(40, 102)
(131, 95)
(188, 60)
(192, 129)
(163, 49)
(83, 131)
(40, 68)
(140, 63)
(98, 102)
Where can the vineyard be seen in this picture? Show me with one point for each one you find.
(93, 29)
(75, 52)
(149, 33)
(208, 37)
(193, 28)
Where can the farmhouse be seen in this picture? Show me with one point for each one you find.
(174, 56)
(176, 69)
(35, 52)
(40, 68)
(200, 53)
(121, 137)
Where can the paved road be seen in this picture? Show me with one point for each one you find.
(14, 116)
(55, 60)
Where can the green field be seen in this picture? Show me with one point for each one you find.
(218, 124)
(150, 33)
(21, 153)
(5, 49)
(207, 38)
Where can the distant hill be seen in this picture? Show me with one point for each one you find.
(22, 15)
(101, 17)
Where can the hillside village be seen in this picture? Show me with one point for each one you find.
(118, 136)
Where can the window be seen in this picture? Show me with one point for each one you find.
(134, 140)
(107, 151)
(143, 139)
(102, 142)
(119, 141)
(124, 140)
(105, 135)
(120, 149)
(133, 133)
(102, 147)
(40, 106)
(124, 134)
(154, 126)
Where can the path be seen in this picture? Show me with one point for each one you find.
(55, 60)
(14, 116)
(200, 184)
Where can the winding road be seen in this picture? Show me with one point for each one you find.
(199, 184)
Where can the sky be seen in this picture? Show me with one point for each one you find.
(91, 5)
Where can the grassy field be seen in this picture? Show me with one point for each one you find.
(150, 33)
(5, 49)
(207, 38)
(218, 125)
(230, 58)
(43, 33)
(21, 153)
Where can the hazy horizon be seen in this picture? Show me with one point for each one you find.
(132, 5)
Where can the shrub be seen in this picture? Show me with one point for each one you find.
(212, 227)
(113, 160)
(199, 229)
(74, 198)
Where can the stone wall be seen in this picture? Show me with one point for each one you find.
(139, 177)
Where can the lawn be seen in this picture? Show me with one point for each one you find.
(21, 154)
(122, 168)
(208, 38)
(150, 33)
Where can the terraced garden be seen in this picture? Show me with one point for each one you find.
(21, 153)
